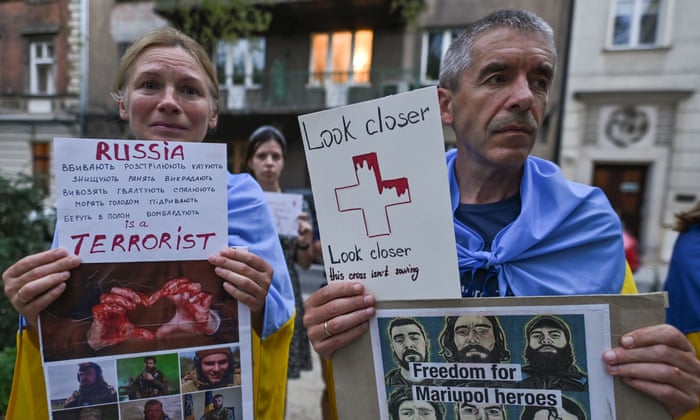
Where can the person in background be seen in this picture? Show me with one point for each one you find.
(166, 88)
(683, 282)
(267, 149)
(494, 84)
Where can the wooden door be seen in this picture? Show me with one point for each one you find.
(625, 186)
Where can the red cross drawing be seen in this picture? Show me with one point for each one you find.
(372, 195)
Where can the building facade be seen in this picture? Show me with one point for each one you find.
(633, 111)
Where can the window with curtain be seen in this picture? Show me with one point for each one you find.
(637, 23)
(341, 57)
(41, 68)
(240, 63)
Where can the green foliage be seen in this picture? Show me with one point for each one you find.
(409, 9)
(208, 21)
(7, 367)
(24, 229)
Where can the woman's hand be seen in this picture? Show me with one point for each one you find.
(337, 314)
(247, 278)
(305, 252)
(36, 281)
(658, 361)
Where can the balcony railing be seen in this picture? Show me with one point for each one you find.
(281, 91)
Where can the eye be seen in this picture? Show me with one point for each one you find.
(190, 91)
(149, 85)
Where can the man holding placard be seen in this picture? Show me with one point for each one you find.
(522, 229)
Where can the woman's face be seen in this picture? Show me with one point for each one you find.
(167, 97)
(267, 162)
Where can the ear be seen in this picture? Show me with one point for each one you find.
(445, 100)
(213, 120)
(123, 114)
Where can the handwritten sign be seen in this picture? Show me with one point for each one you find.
(286, 208)
(132, 200)
(380, 187)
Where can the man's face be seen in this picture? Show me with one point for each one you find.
(154, 412)
(149, 364)
(215, 366)
(416, 410)
(474, 338)
(502, 97)
(218, 401)
(408, 344)
(470, 412)
(561, 414)
(87, 376)
(547, 339)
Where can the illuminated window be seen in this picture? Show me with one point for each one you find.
(240, 63)
(341, 57)
(435, 45)
(637, 23)
(41, 68)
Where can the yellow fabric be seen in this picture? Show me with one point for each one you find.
(28, 394)
(270, 358)
(629, 287)
(694, 339)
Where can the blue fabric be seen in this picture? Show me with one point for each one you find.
(567, 239)
(251, 224)
(683, 282)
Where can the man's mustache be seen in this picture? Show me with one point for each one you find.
(525, 120)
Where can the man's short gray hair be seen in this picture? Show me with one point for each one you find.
(458, 55)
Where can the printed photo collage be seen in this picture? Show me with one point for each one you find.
(466, 364)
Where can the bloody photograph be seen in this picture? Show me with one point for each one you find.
(118, 308)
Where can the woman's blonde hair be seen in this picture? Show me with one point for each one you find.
(686, 218)
(166, 37)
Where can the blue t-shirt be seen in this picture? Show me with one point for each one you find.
(486, 220)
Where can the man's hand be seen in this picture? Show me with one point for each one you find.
(661, 362)
(337, 314)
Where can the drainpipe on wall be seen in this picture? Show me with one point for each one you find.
(84, 60)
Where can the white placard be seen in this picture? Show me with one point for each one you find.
(380, 188)
(133, 200)
(286, 208)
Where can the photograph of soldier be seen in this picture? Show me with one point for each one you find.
(464, 411)
(97, 412)
(153, 410)
(549, 356)
(148, 377)
(213, 368)
(93, 388)
(218, 412)
(409, 343)
(570, 410)
(167, 407)
(473, 339)
(403, 407)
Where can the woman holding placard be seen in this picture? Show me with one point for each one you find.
(166, 88)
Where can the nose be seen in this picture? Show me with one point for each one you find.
(522, 97)
(169, 101)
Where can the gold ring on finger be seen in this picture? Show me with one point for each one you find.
(325, 328)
